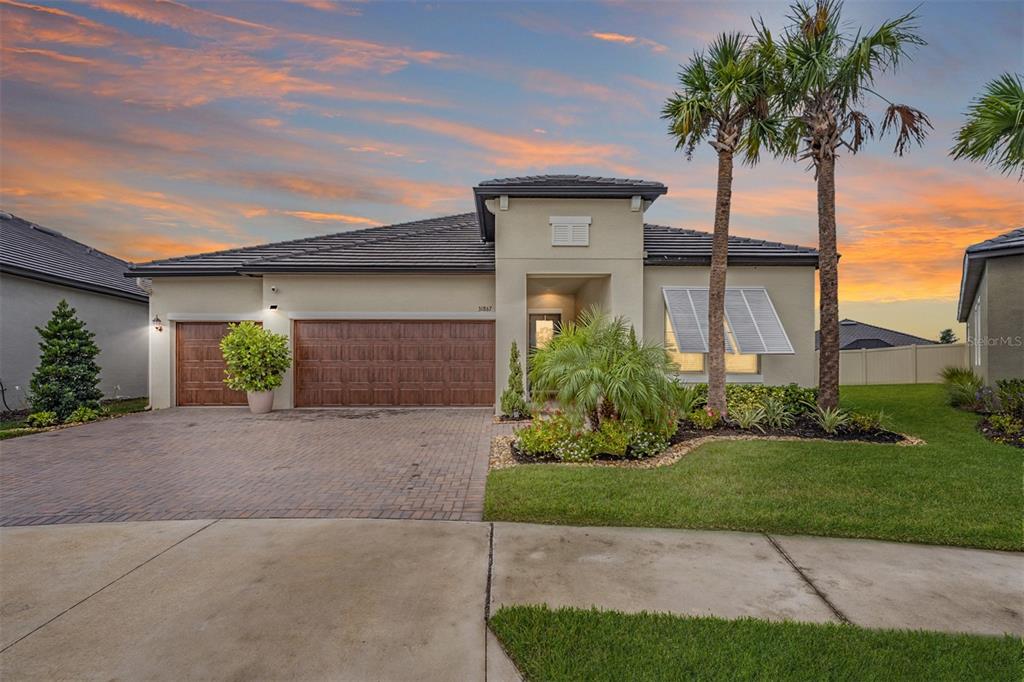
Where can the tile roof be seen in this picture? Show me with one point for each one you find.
(854, 334)
(446, 244)
(678, 246)
(1009, 244)
(37, 252)
(572, 181)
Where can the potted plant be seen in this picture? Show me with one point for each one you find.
(256, 360)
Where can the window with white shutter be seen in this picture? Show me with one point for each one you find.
(570, 230)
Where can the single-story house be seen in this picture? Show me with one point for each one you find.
(424, 313)
(992, 305)
(854, 335)
(39, 267)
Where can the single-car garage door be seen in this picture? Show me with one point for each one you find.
(200, 366)
(393, 362)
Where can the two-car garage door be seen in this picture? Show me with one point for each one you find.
(355, 363)
(393, 362)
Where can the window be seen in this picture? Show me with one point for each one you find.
(694, 363)
(570, 230)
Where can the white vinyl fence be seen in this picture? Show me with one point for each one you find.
(899, 364)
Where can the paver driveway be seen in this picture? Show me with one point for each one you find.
(204, 463)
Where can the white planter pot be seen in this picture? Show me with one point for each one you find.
(260, 402)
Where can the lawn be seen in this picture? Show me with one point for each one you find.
(957, 489)
(12, 428)
(573, 644)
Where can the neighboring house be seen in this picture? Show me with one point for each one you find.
(39, 267)
(992, 305)
(854, 335)
(424, 313)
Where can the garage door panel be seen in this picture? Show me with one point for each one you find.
(392, 362)
(199, 365)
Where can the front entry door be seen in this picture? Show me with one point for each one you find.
(543, 327)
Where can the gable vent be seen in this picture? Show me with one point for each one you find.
(570, 230)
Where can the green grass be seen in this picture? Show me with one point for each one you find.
(958, 489)
(12, 428)
(573, 644)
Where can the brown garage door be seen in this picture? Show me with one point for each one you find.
(200, 365)
(393, 362)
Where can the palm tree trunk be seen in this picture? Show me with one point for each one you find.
(828, 277)
(716, 285)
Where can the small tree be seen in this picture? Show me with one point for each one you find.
(67, 376)
(513, 402)
(256, 358)
(947, 336)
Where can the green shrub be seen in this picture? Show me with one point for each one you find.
(545, 433)
(1011, 396)
(1006, 424)
(67, 376)
(963, 387)
(40, 420)
(513, 402)
(575, 449)
(599, 369)
(83, 414)
(793, 396)
(748, 417)
(866, 421)
(777, 414)
(950, 374)
(830, 419)
(704, 419)
(256, 358)
(611, 438)
(688, 397)
(644, 443)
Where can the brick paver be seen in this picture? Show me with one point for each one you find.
(203, 463)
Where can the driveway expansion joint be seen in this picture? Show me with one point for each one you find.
(807, 579)
(115, 580)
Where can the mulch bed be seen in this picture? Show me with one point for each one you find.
(505, 455)
(1015, 440)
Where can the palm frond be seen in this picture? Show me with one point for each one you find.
(911, 125)
(994, 130)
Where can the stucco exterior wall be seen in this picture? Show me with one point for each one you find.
(791, 290)
(304, 297)
(1000, 349)
(121, 328)
(523, 248)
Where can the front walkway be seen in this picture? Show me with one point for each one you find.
(397, 600)
(208, 463)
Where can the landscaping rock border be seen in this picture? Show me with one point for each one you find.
(501, 456)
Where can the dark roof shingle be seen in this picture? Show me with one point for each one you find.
(855, 335)
(446, 244)
(29, 250)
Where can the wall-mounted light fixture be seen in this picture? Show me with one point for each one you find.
(273, 306)
(158, 324)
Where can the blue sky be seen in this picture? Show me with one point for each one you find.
(165, 128)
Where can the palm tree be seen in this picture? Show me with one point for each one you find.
(598, 369)
(994, 131)
(826, 77)
(724, 97)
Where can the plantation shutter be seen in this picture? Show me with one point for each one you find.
(570, 230)
(749, 314)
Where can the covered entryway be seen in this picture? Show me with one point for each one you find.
(393, 362)
(199, 373)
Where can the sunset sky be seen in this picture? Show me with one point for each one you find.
(158, 129)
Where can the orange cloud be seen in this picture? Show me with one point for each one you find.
(562, 85)
(317, 217)
(146, 247)
(611, 37)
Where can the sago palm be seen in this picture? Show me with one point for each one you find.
(724, 97)
(994, 131)
(827, 76)
(597, 368)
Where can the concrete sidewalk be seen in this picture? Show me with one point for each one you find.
(358, 599)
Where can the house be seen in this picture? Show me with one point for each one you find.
(424, 313)
(38, 268)
(854, 335)
(992, 305)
